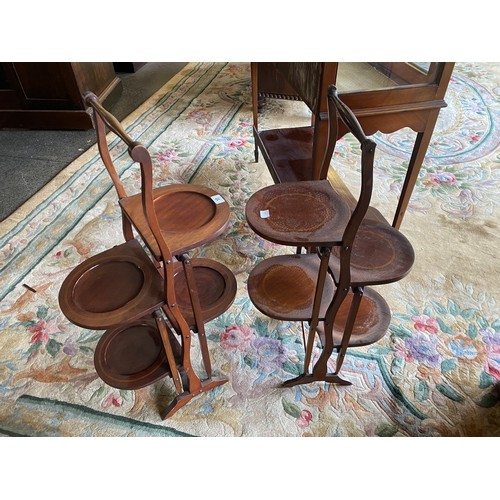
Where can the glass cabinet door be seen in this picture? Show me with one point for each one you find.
(368, 76)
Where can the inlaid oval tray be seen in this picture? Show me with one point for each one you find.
(307, 213)
(372, 321)
(283, 287)
(380, 254)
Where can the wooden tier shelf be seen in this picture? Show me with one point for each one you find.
(287, 152)
(117, 285)
(372, 321)
(189, 216)
(308, 213)
(216, 287)
(380, 255)
(283, 288)
(132, 355)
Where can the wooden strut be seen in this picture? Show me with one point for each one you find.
(255, 98)
(320, 285)
(191, 383)
(319, 372)
(195, 301)
(353, 311)
(320, 368)
(162, 327)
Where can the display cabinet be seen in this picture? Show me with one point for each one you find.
(384, 96)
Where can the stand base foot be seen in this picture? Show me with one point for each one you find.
(332, 378)
(184, 398)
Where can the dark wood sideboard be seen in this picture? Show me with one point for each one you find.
(384, 97)
(48, 95)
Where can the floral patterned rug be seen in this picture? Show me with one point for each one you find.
(435, 373)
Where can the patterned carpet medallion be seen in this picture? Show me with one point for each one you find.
(435, 373)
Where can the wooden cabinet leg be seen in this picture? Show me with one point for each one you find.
(417, 157)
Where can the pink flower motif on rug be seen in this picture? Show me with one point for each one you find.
(423, 323)
(304, 418)
(43, 329)
(113, 400)
(167, 156)
(200, 116)
(237, 142)
(442, 177)
(236, 337)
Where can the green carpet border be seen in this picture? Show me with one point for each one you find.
(79, 410)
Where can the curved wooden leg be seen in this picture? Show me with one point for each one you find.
(256, 149)
(319, 373)
(332, 378)
(192, 384)
(353, 312)
(318, 294)
(187, 396)
(320, 369)
(417, 157)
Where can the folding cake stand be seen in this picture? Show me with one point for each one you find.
(349, 245)
(151, 297)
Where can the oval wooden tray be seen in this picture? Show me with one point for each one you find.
(189, 216)
(114, 286)
(283, 287)
(307, 213)
(380, 254)
(216, 287)
(372, 321)
(132, 356)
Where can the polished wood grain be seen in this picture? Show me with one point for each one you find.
(371, 324)
(283, 287)
(187, 214)
(287, 152)
(131, 355)
(381, 254)
(215, 286)
(117, 285)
